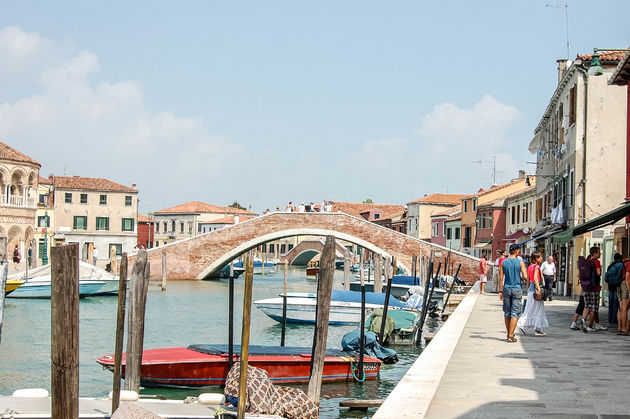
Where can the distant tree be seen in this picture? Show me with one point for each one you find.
(237, 205)
(368, 201)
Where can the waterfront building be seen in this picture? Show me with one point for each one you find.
(470, 208)
(520, 219)
(369, 211)
(208, 226)
(397, 222)
(621, 77)
(19, 175)
(96, 213)
(146, 231)
(454, 231)
(187, 220)
(421, 210)
(580, 149)
(441, 233)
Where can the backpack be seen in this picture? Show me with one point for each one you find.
(614, 274)
(585, 273)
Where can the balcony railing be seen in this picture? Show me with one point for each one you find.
(17, 201)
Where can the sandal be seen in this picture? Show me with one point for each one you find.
(619, 332)
(511, 339)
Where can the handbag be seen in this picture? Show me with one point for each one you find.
(538, 296)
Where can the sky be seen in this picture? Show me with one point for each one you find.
(266, 102)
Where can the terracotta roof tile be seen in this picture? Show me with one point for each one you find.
(202, 207)
(90, 184)
(44, 181)
(143, 218)
(603, 56)
(11, 154)
(440, 198)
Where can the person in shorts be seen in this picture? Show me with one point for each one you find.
(624, 299)
(591, 294)
(510, 291)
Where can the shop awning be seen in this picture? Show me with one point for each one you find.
(483, 246)
(601, 221)
(514, 236)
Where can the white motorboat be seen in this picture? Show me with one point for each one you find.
(345, 306)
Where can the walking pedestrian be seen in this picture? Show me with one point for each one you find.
(510, 291)
(94, 255)
(590, 274)
(534, 315)
(483, 273)
(624, 299)
(548, 269)
(613, 278)
(29, 256)
(16, 258)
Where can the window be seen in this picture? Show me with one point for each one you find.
(127, 201)
(448, 233)
(43, 199)
(83, 199)
(572, 100)
(41, 248)
(513, 215)
(271, 248)
(127, 224)
(518, 214)
(43, 221)
(173, 226)
(283, 248)
(465, 206)
(165, 225)
(115, 249)
(571, 187)
(290, 247)
(377, 216)
(102, 223)
(490, 220)
(444, 229)
(157, 227)
(79, 222)
(181, 227)
(483, 220)
(68, 198)
(474, 204)
(102, 199)
(457, 233)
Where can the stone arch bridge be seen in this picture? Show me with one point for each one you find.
(200, 256)
(306, 250)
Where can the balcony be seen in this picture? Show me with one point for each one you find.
(18, 201)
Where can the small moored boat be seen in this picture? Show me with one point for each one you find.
(42, 289)
(12, 285)
(345, 306)
(207, 365)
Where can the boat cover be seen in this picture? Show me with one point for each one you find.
(350, 342)
(263, 350)
(405, 280)
(370, 298)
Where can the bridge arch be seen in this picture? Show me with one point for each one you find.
(197, 257)
(255, 242)
(304, 257)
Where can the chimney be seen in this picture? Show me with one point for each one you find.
(522, 174)
(562, 66)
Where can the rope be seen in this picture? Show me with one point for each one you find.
(354, 375)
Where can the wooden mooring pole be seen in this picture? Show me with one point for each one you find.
(163, 270)
(414, 262)
(346, 270)
(4, 272)
(322, 314)
(388, 290)
(231, 317)
(120, 330)
(64, 327)
(362, 324)
(247, 316)
(448, 295)
(284, 303)
(378, 273)
(135, 322)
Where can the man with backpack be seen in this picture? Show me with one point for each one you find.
(624, 299)
(614, 277)
(590, 272)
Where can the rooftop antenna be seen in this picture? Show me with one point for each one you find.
(494, 168)
(566, 15)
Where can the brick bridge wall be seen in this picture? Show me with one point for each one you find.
(316, 246)
(197, 257)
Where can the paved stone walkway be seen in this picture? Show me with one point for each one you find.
(567, 374)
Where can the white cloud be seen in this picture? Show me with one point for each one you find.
(442, 151)
(102, 129)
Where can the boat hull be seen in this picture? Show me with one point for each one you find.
(42, 289)
(396, 290)
(185, 368)
(11, 286)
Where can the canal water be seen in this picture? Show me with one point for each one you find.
(189, 312)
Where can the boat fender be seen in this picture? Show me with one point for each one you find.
(39, 393)
(216, 399)
(126, 396)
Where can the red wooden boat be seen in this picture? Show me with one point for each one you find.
(207, 365)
